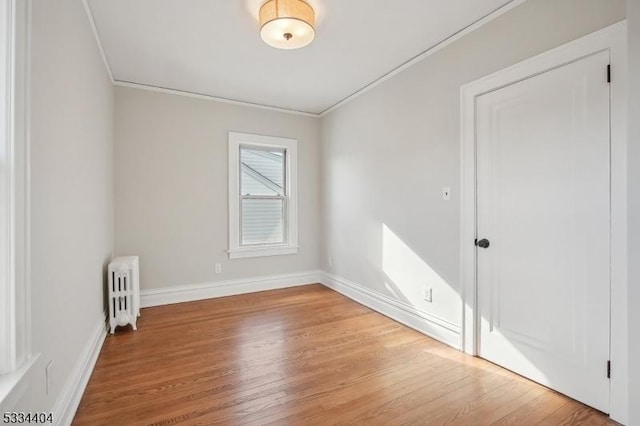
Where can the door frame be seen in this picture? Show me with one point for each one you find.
(612, 39)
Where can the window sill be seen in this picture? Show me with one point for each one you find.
(13, 385)
(244, 252)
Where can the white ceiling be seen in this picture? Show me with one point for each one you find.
(213, 47)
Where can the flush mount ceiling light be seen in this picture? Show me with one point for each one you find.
(287, 24)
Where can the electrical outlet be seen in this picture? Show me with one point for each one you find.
(47, 376)
(218, 268)
(330, 261)
(446, 193)
(428, 294)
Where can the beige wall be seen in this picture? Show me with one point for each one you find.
(633, 21)
(171, 174)
(71, 192)
(385, 158)
(388, 153)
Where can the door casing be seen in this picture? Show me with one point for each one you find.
(613, 40)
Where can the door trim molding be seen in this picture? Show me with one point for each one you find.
(613, 40)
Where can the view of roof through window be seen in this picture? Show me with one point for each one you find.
(262, 171)
(262, 178)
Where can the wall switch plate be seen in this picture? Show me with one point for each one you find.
(428, 294)
(218, 268)
(446, 193)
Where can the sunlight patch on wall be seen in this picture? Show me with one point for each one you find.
(408, 273)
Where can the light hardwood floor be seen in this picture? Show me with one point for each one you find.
(303, 356)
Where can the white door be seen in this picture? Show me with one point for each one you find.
(543, 202)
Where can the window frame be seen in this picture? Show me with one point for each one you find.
(290, 205)
(16, 359)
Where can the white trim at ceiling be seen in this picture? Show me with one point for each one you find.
(94, 29)
(428, 52)
(211, 98)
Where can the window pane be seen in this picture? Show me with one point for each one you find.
(262, 221)
(262, 171)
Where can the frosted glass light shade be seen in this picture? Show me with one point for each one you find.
(287, 24)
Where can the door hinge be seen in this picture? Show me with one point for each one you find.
(609, 73)
(608, 369)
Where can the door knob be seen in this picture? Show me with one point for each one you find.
(483, 243)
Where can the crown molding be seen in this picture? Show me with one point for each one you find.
(421, 56)
(94, 29)
(211, 98)
(430, 51)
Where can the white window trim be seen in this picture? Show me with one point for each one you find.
(237, 251)
(15, 351)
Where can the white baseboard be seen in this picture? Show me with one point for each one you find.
(67, 403)
(188, 293)
(424, 322)
(406, 314)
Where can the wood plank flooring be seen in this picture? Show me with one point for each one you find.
(303, 356)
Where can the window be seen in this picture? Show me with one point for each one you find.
(7, 363)
(262, 196)
(14, 196)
